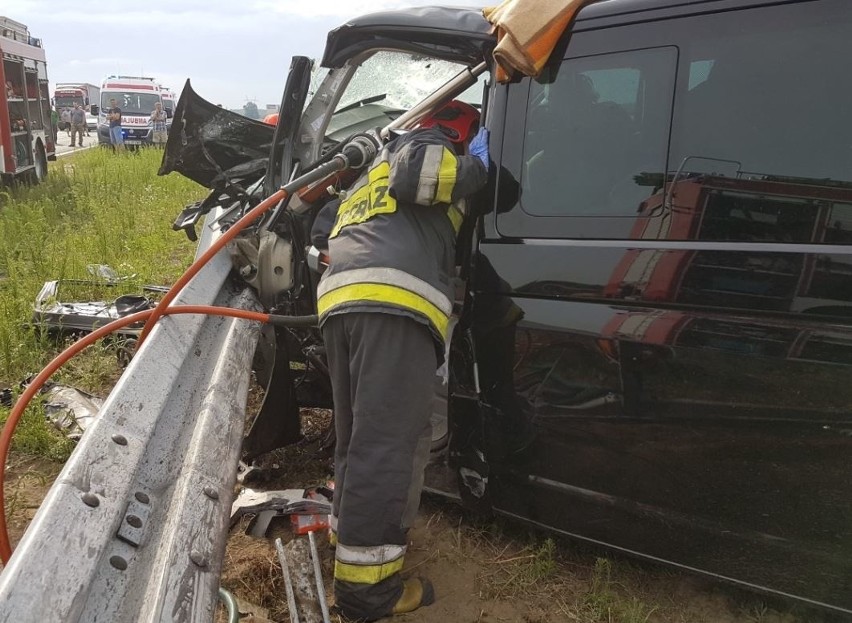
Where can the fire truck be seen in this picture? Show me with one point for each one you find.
(27, 136)
(136, 97)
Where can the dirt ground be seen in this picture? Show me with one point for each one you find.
(27, 482)
(483, 572)
(494, 571)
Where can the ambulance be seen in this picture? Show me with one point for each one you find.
(136, 96)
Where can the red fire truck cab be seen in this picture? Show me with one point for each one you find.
(27, 136)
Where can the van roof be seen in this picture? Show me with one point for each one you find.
(463, 35)
(622, 10)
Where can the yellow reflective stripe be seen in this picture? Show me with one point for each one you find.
(369, 200)
(384, 293)
(446, 177)
(456, 217)
(366, 574)
(387, 276)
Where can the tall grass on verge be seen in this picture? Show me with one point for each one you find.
(95, 207)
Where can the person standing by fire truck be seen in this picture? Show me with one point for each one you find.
(385, 304)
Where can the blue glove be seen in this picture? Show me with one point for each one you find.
(479, 146)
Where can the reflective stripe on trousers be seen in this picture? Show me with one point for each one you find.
(367, 565)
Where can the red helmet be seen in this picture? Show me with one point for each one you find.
(271, 119)
(459, 121)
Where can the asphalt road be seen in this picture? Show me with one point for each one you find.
(63, 142)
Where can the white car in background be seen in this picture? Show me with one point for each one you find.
(91, 121)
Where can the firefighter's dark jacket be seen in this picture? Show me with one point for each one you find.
(392, 243)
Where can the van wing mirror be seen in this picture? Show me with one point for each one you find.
(94, 109)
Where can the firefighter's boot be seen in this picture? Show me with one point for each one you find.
(416, 592)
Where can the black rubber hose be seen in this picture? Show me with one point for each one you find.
(293, 321)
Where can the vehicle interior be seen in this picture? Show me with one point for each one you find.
(595, 124)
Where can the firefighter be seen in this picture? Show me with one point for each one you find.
(385, 304)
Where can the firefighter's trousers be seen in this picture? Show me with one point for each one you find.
(383, 372)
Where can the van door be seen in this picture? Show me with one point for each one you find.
(663, 305)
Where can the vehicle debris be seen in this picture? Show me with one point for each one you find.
(50, 312)
(314, 504)
(71, 410)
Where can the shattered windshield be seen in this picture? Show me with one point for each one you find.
(385, 86)
(397, 79)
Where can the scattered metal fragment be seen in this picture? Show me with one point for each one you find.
(71, 410)
(251, 613)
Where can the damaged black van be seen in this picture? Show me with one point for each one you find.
(656, 322)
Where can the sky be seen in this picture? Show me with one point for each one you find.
(232, 51)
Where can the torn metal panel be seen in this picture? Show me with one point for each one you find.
(51, 313)
(287, 501)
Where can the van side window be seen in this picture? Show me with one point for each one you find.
(761, 123)
(597, 133)
(765, 97)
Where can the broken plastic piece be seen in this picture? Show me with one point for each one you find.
(302, 524)
(266, 505)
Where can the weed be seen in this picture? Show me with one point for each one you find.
(36, 436)
(604, 600)
(95, 207)
(525, 572)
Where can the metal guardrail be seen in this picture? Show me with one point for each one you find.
(134, 527)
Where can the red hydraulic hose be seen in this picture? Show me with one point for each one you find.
(153, 315)
(354, 155)
(214, 248)
(37, 383)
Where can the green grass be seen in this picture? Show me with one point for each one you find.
(95, 207)
(603, 592)
(526, 571)
(608, 600)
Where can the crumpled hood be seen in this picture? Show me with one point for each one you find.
(212, 146)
